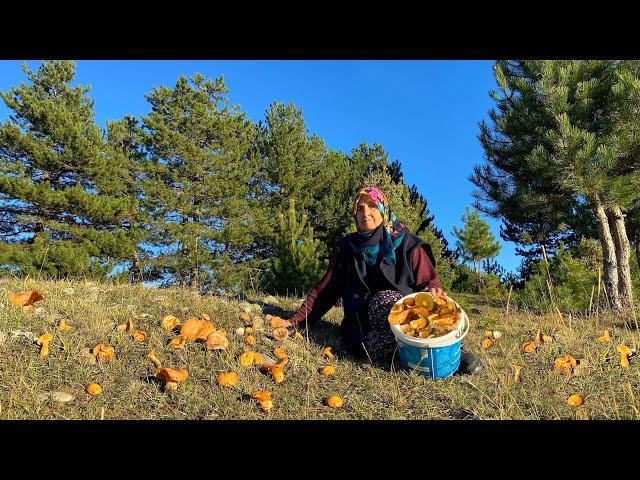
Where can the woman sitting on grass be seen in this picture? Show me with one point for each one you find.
(372, 269)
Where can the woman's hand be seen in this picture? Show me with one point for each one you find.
(277, 322)
(437, 292)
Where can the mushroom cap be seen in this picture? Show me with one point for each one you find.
(487, 343)
(196, 329)
(156, 361)
(46, 338)
(261, 395)
(177, 342)
(227, 379)
(250, 340)
(326, 351)
(280, 333)
(335, 401)
(94, 389)
(280, 352)
(624, 349)
(575, 400)
(217, 341)
(26, 298)
(172, 374)
(328, 370)
(169, 322)
(246, 358)
(139, 336)
(277, 322)
(529, 347)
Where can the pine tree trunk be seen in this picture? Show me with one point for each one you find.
(610, 265)
(136, 272)
(623, 252)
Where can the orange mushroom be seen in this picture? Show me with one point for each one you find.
(44, 342)
(280, 333)
(169, 322)
(529, 347)
(605, 337)
(217, 341)
(250, 340)
(246, 359)
(227, 379)
(177, 342)
(488, 334)
(264, 399)
(575, 401)
(156, 361)
(335, 401)
(565, 364)
(276, 371)
(277, 322)
(244, 316)
(139, 336)
(26, 299)
(196, 329)
(326, 352)
(279, 352)
(172, 377)
(126, 327)
(64, 326)
(487, 343)
(328, 370)
(625, 353)
(103, 352)
(94, 389)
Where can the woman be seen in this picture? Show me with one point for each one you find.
(372, 269)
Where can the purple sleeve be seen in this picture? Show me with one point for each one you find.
(323, 296)
(423, 271)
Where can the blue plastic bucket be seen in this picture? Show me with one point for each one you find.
(431, 357)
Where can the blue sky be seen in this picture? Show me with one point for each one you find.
(424, 113)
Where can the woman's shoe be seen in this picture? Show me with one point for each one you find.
(470, 364)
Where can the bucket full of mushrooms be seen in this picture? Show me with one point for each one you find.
(429, 332)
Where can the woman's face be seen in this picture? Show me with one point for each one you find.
(368, 216)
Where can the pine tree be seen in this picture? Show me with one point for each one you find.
(198, 187)
(475, 240)
(124, 139)
(60, 203)
(562, 148)
(295, 165)
(296, 268)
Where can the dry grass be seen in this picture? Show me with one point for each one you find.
(370, 392)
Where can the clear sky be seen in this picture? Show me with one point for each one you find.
(424, 113)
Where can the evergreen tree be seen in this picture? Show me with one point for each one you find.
(562, 144)
(296, 268)
(475, 240)
(60, 201)
(198, 188)
(124, 139)
(294, 165)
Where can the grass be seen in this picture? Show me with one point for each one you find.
(370, 392)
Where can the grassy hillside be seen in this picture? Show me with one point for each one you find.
(94, 310)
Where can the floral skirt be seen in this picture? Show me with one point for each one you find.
(380, 342)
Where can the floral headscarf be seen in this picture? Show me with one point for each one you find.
(384, 239)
